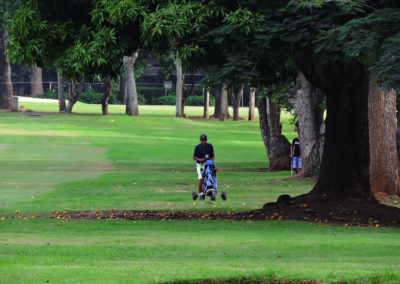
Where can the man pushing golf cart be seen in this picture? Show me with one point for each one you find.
(206, 171)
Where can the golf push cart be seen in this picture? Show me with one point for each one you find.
(209, 183)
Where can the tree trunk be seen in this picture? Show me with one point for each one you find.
(184, 99)
(132, 105)
(179, 85)
(6, 89)
(224, 100)
(398, 134)
(307, 100)
(344, 173)
(36, 81)
(61, 96)
(206, 114)
(226, 107)
(384, 163)
(236, 99)
(252, 104)
(217, 107)
(123, 89)
(107, 93)
(276, 145)
(74, 94)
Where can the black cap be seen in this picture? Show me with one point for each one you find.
(203, 137)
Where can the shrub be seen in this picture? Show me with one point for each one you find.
(151, 94)
(95, 98)
(48, 95)
(141, 99)
(198, 101)
(166, 100)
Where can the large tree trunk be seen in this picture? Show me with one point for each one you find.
(236, 99)
(206, 114)
(252, 104)
(344, 173)
(6, 89)
(398, 134)
(224, 101)
(277, 146)
(132, 105)
(36, 81)
(107, 93)
(179, 85)
(74, 94)
(123, 89)
(384, 163)
(61, 96)
(307, 101)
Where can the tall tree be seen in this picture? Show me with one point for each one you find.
(223, 103)
(307, 101)
(177, 28)
(277, 146)
(69, 35)
(252, 104)
(236, 100)
(36, 81)
(61, 96)
(6, 89)
(206, 113)
(384, 163)
(313, 41)
(132, 104)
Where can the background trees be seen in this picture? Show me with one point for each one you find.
(177, 28)
(339, 48)
(6, 8)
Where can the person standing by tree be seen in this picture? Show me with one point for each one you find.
(202, 152)
(295, 154)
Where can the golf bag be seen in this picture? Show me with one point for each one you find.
(209, 176)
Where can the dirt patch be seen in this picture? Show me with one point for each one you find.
(322, 209)
(303, 208)
(392, 200)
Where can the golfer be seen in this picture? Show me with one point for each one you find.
(202, 152)
(295, 155)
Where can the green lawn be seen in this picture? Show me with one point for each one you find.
(86, 161)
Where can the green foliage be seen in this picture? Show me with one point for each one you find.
(177, 27)
(151, 94)
(96, 98)
(48, 95)
(167, 67)
(373, 39)
(198, 101)
(165, 100)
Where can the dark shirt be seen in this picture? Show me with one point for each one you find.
(201, 151)
(296, 147)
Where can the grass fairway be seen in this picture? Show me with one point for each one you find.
(34, 251)
(89, 162)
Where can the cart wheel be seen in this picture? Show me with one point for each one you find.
(223, 195)
(194, 195)
(213, 195)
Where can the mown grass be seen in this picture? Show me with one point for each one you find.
(85, 162)
(35, 251)
(89, 162)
